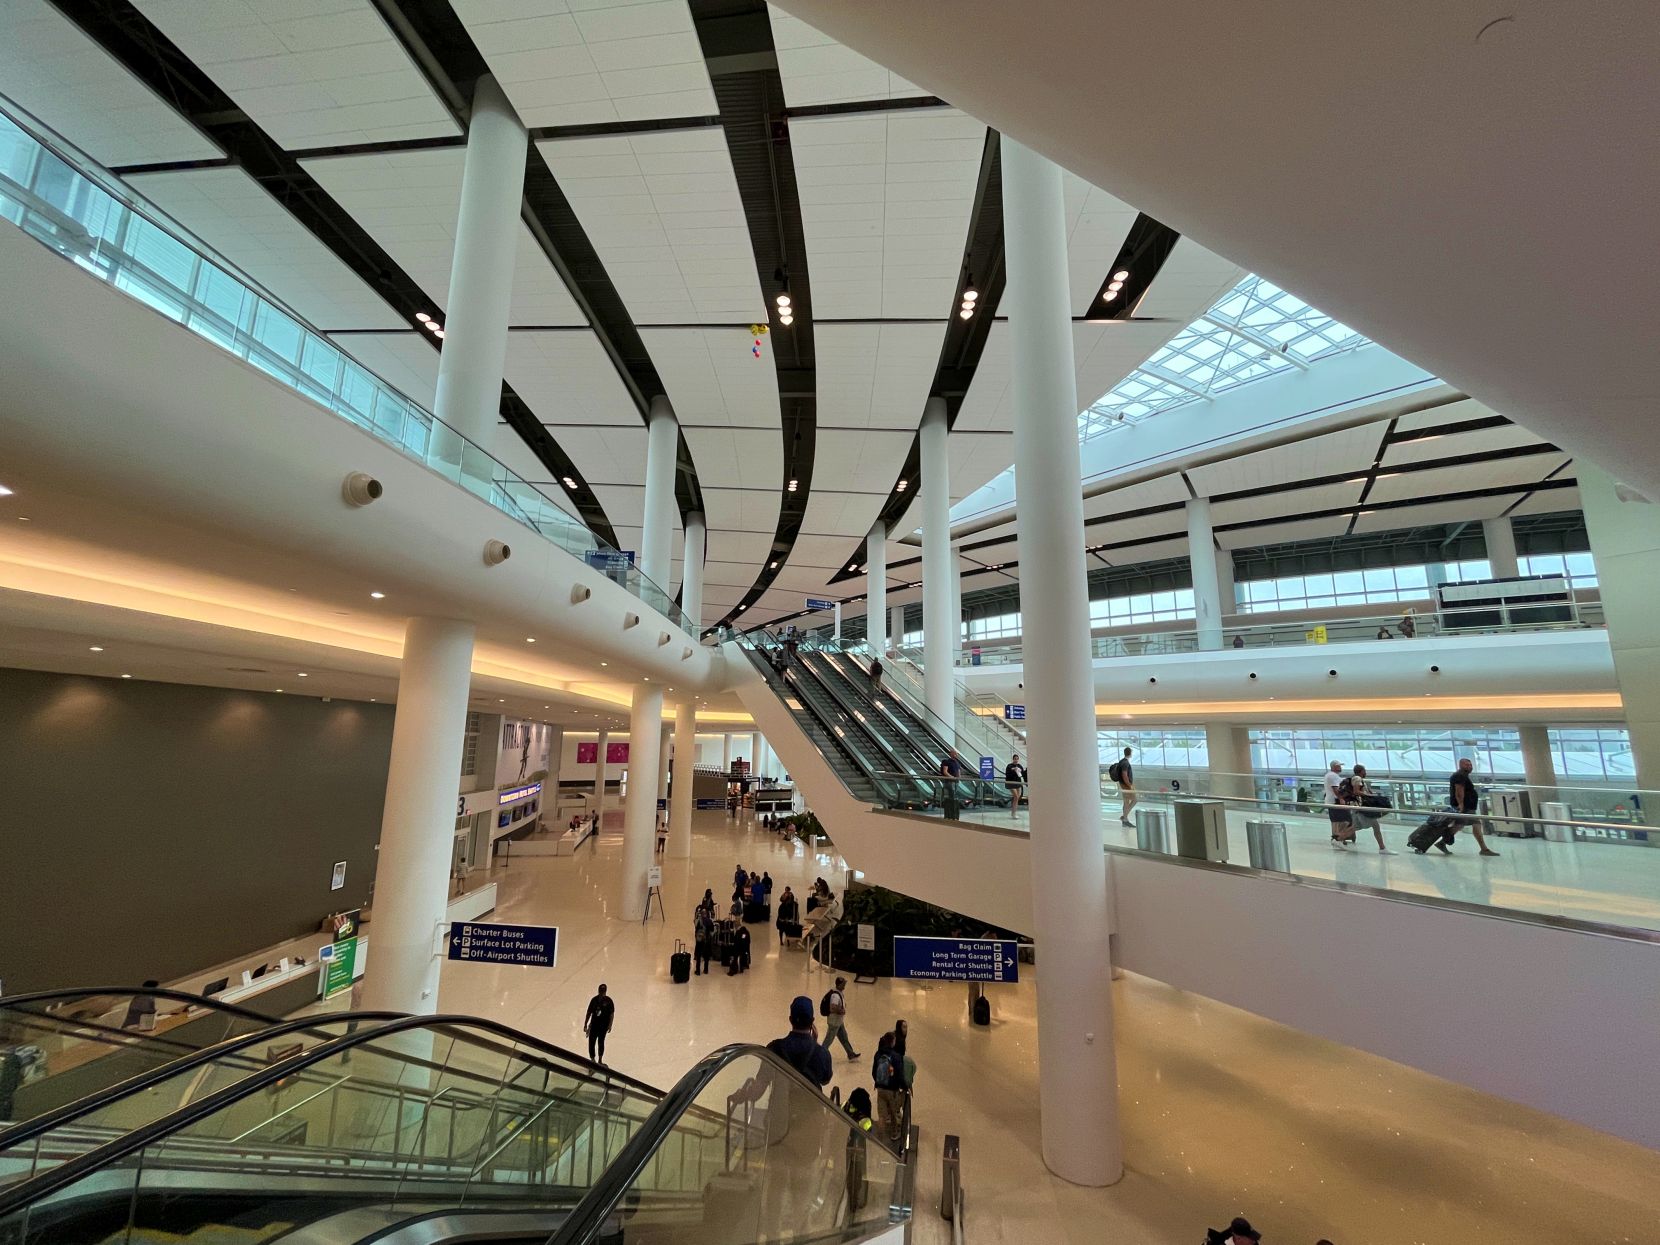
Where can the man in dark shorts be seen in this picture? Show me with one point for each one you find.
(1465, 797)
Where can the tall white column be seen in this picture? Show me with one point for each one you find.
(665, 741)
(1229, 749)
(1225, 583)
(726, 753)
(896, 626)
(1077, 1059)
(481, 272)
(1500, 539)
(601, 769)
(640, 808)
(956, 581)
(1538, 764)
(657, 521)
(1201, 557)
(680, 796)
(836, 623)
(417, 829)
(876, 588)
(691, 572)
(938, 572)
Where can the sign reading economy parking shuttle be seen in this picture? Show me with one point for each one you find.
(533, 945)
(956, 959)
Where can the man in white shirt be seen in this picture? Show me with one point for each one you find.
(1342, 828)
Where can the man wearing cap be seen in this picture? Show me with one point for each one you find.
(800, 1047)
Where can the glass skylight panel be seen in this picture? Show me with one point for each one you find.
(1254, 330)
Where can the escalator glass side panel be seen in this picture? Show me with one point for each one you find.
(753, 1153)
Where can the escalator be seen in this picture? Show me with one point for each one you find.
(365, 1126)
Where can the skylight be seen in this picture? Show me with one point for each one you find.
(1255, 330)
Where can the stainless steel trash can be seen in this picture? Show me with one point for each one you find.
(1152, 830)
(1265, 841)
(1557, 817)
(1202, 830)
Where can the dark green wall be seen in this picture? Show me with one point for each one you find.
(154, 829)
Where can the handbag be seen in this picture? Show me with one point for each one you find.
(1374, 799)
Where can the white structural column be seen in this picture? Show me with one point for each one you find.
(600, 771)
(896, 626)
(640, 808)
(481, 272)
(726, 753)
(938, 571)
(657, 521)
(1225, 583)
(680, 796)
(1201, 558)
(876, 589)
(1625, 541)
(956, 580)
(1229, 749)
(1077, 1059)
(1500, 539)
(691, 572)
(665, 742)
(417, 829)
(1538, 765)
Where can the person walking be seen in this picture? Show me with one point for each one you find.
(1123, 773)
(887, 1075)
(800, 1047)
(833, 1007)
(1465, 797)
(1408, 626)
(1337, 812)
(789, 916)
(951, 769)
(1014, 775)
(703, 938)
(875, 673)
(597, 1023)
(1366, 807)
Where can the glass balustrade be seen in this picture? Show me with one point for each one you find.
(67, 203)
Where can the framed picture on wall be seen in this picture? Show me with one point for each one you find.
(338, 880)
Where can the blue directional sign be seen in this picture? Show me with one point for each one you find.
(988, 768)
(814, 603)
(956, 959)
(1014, 713)
(535, 946)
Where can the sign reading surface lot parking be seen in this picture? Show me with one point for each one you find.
(955, 959)
(532, 945)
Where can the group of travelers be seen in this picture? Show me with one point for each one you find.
(892, 1071)
(1352, 804)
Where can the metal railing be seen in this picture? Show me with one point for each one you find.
(68, 203)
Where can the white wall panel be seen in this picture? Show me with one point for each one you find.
(818, 70)
(54, 71)
(885, 205)
(875, 375)
(572, 62)
(233, 214)
(408, 201)
(312, 73)
(713, 379)
(662, 209)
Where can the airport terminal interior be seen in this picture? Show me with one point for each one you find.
(719, 622)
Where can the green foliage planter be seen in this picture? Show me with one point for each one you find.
(894, 915)
(805, 826)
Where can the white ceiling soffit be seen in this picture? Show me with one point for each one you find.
(663, 211)
(234, 215)
(1096, 226)
(1144, 527)
(714, 381)
(1159, 491)
(975, 458)
(1446, 413)
(54, 71)
(1337, 215)
(1282, 505)
(1432, 513)
(737, 546)
(567, 379)
(818, 70)
(1190, 281)
(311, 73)
(1351, 449)
(1153, 551)
(875, 376)
(1504, 437)
(885, 204)
(574, 62)
(1284, 533)
(404, 360)
(1551, 501)
(409, 201)
(1103, 354)
(1518, 473)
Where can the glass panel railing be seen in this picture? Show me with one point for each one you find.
(1240, 633)
(67, 203)
(747, 1152)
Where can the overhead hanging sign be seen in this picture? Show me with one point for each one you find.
(1014, 713)
(956, 959)
(815, 603)
(512, 795)
(533, 946)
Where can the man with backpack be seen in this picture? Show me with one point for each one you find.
(886, 1073)
(833, 1007)
(1122, 773)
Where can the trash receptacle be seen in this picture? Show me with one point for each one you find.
(1152, 830)
(1202, 830)
(1265, 842)
(1557, 817)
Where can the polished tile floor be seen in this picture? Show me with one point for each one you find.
(1223, 1113)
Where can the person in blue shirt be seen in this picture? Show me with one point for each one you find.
(800, 1046)
(951, 767)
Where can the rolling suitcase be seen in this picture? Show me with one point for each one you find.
(1425, 836)
(680, 964)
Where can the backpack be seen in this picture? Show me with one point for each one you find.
(824, 1003)
(881, 1069)
(1115, 771)
(1346, 791)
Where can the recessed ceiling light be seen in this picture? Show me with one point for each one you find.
(1116, 285)
(569, 483)
(126, 676)
(379, 596)
(97, 648)
(23, 518)
(786, 319)
(371, 700)
(501, 702)
(970, 295)
(530, 639)
(605, 663)
(1109, 296)
(437, 332)
(302, 675)
(774, 566)
(965, 313)
(1123, 274)
(423, 317)
(279, 689)
(4, 491)
(783, 300)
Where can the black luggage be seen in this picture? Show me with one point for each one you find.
(680, 964)
(1436, 828)
(982, 1010)
(790, 929)
(757, 913)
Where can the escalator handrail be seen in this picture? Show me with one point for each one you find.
(583, 1224)
(14, 1197)
(930, 729)
(924, 778)
(72, 1111)
(15, 1002)
(883, 747)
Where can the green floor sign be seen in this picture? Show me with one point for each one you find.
(338, 968)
